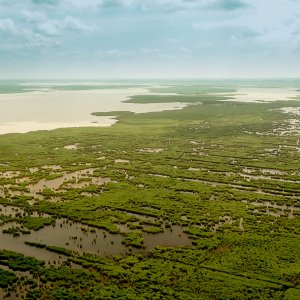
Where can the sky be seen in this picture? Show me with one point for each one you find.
(149, 38)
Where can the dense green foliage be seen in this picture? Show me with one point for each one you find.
(6, 278)
(224, 174)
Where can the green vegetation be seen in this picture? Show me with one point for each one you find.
(19, 262)
(55, 249)
(36, 223)
(112, 113)
(204, 200)
(134, 239)
(6, 278)
(179, 98)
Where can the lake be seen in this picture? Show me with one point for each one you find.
(51, 109)
(50, 106)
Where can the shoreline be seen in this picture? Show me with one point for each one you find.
(39, 110)
(45, 110)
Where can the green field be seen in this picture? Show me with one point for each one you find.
(199, 203)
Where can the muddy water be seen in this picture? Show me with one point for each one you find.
(57, 182)
(81, 239)
(263, 177)
(75, 236)
(277, 210)
(78, 179)
(152, 150)
(241, 226)
(64, 233)
(171, 237)
(248, 176)
(282, 207)
(10, 174)
(71, 147)
(13, 212)
(48, 167)
(233, 186)
(8, 242)
(2, 193)
(264, 171)
(18, 291)
(122, 161)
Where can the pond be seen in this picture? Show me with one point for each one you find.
(80, 238)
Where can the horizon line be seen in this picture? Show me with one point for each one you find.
(150, 78)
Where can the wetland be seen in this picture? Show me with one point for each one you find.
(194, 193)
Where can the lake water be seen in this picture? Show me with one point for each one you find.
(51, 109)
(81, 238)
(258, 94)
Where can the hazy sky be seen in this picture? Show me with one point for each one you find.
(149, 38)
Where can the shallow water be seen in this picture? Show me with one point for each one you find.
(50, 109)
(46, 110)
(55, 183)
(8, 242)
(256, 94)
(291, 110)
(65, 180)
(81, 238)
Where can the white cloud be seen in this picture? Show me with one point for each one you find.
(146, 31)
(37, 40)
(228, 29)
(161, 5)
(71, 23)
(8, 26)
(16, 36)
(27, 39)
(113, 53)
(49, 27)
(57, 27)
(46, 2)
(184, 50)
(90, 4)
(174, 5)
(226, 5)
(149, 51)
(33, 16)
(141, 53)
(236, 32)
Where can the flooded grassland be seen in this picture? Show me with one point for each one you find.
(198, 203)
